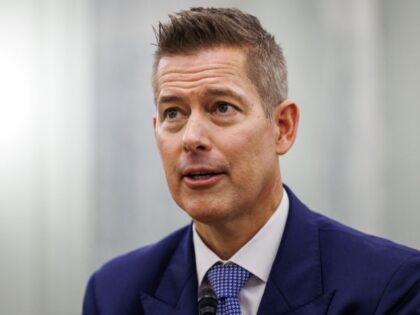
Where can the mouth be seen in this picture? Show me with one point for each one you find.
(201, 175)
(202, 178)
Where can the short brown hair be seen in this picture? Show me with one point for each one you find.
(201, 28)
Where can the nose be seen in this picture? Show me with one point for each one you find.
(196, 137)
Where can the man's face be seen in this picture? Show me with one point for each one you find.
(217, 146)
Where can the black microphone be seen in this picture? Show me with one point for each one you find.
(207, 301)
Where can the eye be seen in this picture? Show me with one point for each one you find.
(224, 108)
(171, 113)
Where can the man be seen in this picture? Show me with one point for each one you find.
(222, 120)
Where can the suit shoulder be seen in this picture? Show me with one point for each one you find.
(351, 240)
(115, 288)
(377, 273)
(142, 264)
(358, 257)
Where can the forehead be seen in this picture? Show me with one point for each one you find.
(219, 66)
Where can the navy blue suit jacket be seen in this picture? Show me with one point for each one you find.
(321, 267)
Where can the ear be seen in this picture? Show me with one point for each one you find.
(154, 123)
(286, 120)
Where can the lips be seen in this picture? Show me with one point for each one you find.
(202, 176)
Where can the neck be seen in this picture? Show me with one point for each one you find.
(227, 237)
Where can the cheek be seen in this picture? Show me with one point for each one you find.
(256, 142)
(168, 157)
(252, 153)
(167, 151)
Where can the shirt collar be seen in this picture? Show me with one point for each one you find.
(257, 255)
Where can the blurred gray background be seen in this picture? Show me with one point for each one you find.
(80, 177)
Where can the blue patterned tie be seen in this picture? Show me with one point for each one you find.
(227, 280)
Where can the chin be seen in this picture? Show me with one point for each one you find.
(206, 215)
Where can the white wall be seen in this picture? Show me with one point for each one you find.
(45, 156)
(401, 77)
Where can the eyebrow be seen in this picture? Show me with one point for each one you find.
(210, 92)
(170, 99)
(222, 92)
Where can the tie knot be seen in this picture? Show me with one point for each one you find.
(227, 279)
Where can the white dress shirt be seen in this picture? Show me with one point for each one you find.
(256, 256)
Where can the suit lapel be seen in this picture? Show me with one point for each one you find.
(295, 282)
(294, 286)
(176, 292)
